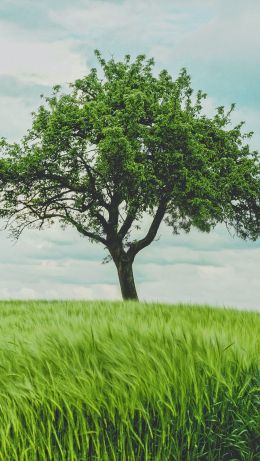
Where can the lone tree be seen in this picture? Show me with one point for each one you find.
(112, 149)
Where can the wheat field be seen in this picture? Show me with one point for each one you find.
(127, 381)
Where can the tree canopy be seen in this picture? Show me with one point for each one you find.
(125, 143)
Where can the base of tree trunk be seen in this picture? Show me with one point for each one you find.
(126, 279)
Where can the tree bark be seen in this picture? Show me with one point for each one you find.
(124, 265)
(126, 279)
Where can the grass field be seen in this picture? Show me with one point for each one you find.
(128, 382)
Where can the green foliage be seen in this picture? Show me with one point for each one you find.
(97, 381)
(118, 146)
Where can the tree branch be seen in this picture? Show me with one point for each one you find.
(42, 215)
(94, 191)
(83, 231)
(137, 246)
(127, 223)
(74, 188)
(114, 212)
(62, 180)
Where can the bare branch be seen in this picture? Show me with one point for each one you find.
(80, 228)
(127, 223)
(137, 246)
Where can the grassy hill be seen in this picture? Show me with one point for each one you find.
(128, 382)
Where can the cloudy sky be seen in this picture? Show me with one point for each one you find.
(50, 42)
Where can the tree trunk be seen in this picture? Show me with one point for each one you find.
(126, 279)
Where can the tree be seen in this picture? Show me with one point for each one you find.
(113, 148)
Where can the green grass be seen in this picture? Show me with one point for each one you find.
(128, 382)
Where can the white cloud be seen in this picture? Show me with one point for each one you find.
(204, 29)
(34, 60)
(234, 39)
(235, 284)
(59, 291)
(15, 117)
(187, 268)
(229, 36)
(130, 20)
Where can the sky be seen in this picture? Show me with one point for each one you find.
(48, 43)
